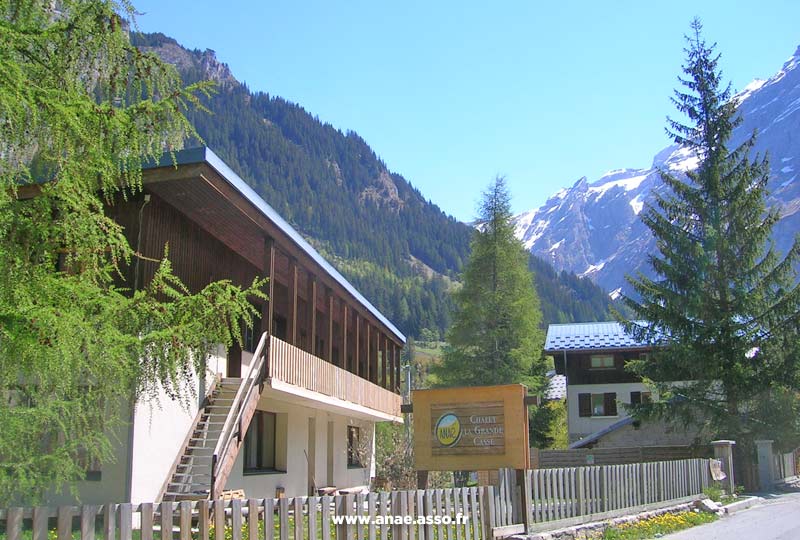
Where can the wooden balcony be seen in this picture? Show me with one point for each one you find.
(292, 365)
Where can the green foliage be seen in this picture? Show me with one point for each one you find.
(495, 337)
(724, 305)
(658, 526)
(81, 108)
(548, 425)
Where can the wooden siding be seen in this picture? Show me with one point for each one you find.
(198, 258)
(578, 369)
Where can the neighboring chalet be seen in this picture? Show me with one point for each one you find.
(592, 356)
(290, 412)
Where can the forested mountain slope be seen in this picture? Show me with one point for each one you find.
(401, 251)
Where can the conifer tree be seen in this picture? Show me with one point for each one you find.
(80, 109)
(723, 307)
(495, 336)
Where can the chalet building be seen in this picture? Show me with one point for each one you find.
(592, 356)
(293, 409)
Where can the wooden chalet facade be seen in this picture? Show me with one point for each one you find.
(592, 356)
(283, 413)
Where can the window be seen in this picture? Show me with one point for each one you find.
(602, 362)
(259, 443)
(354, 447)
(637, 398)
(597, 404)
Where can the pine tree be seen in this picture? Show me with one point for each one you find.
(495, 336)
(81, 108)
(724, 307)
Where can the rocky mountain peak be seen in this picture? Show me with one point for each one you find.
(593, 228)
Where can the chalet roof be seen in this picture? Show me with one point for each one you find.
(589, 336)
(594, 437)
(203, 154)
(557, 386)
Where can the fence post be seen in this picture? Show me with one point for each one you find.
(766, 464)
(526, 506)
(488, 515)
(723, 451)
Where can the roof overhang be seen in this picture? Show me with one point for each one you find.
(202, 186)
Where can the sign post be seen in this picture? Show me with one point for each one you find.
(474, 429)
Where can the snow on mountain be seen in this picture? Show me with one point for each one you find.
(593, 228)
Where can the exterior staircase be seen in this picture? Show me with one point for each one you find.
(209, 452)
(192, 477)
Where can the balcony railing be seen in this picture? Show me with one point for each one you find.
(295, 366)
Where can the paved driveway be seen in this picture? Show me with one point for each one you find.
(778, 518)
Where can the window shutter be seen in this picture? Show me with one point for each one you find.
(584, 405)
(636, 398)
(610, 403)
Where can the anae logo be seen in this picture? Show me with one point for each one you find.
(448, 429)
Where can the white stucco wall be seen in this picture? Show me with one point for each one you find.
(581, 427)
(295, 441)
(160, 427)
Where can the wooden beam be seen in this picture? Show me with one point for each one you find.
(345, 363)
(330, 325)
(398, 372)
(391, 347)
(292, 301)
(312, 313)
(384, 359)
(357, 322)
(267, 309)
(368, 374)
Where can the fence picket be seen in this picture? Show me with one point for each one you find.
(252, 520)
(448, 511)
(109, 521)
(166, 520)
(219, 519)
(185, 516)
(14, 523)
(202, 521)
(283, 518)
(40, 523)
(125, 521)
(476, 513)
(437, 505)
(236, 519)
(64, 523)
(385, 512)
(360, 501)
(326, 518)
(422, 532)
(466, 509)
(371, 499)
(297, 506)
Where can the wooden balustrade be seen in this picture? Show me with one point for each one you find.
(295, 366)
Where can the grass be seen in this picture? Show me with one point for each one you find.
(658, 526)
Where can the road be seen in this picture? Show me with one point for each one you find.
(777, 518)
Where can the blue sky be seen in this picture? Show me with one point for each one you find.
(451, 94)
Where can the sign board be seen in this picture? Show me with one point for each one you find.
(474, 428)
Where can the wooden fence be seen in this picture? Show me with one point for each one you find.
(587, 493)
(579, 457)
(522, 500)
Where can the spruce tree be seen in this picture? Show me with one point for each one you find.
(723, 307)
(495, 336)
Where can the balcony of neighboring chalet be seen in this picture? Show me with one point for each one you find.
(329, 348)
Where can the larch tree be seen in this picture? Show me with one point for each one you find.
(723, 307)
(80, 110)
(495, 337)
